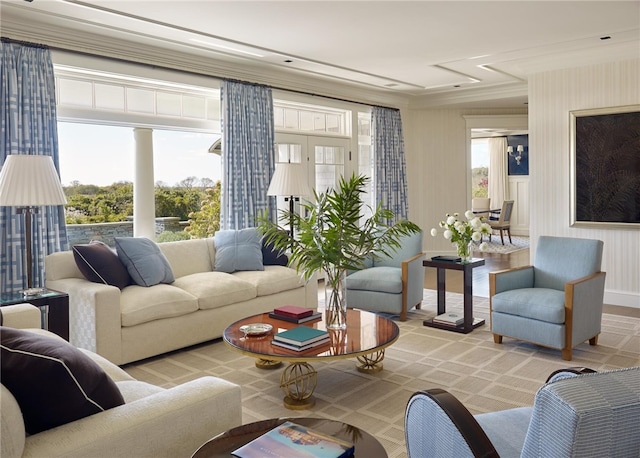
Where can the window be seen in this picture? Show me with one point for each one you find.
(479, 167)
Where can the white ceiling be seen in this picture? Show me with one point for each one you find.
(418, 49)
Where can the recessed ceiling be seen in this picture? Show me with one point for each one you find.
(425, 50)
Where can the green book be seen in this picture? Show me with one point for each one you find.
(301, 335)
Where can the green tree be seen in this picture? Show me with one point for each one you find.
(178, 202)
(94, 204)
(99, 204)
(205, 221)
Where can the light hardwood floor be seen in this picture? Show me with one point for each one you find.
(494, 262)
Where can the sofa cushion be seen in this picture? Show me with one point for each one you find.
(100, 264)
(140, 305)
(216, 289)
(144, 261)
(188, 257)
(272, 280)
(272, 256)
(382, 279)
(238, 250)
(53, 382)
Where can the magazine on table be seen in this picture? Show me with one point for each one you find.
(313, 316)
(293, 311)
(301, 347)
(291, 440)
(450, 318)
(301, 335)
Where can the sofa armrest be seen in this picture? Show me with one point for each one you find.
(437, 424)
(21, 316)
(568, 372)
(174, 422)
(505, 280)
(94, 316)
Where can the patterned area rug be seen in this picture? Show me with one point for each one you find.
(483, 375)
(517, 243)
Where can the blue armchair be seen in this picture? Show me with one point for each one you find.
(576, 413)
(392, 284)
(555, 303)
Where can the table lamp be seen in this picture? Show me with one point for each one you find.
(27, 182)
(289, 180)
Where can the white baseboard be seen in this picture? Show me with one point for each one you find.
(622, 298)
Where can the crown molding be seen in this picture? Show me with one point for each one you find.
(232, 68)
(504, 96)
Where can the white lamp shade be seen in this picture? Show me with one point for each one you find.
(30, 180)
(289, 180)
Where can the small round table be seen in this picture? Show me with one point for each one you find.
(366, 337)
(223, 444)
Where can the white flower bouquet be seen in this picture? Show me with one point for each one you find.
(463, 233)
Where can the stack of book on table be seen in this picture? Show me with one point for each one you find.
(292, 440)
(450, 319)
(295, 314)
(301, 338)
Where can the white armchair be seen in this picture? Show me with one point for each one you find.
(153, 422)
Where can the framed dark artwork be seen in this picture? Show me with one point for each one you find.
(605, 167)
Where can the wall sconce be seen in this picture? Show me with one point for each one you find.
(518, 155)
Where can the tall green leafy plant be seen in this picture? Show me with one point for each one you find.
(331, 235)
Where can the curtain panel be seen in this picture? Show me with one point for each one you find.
(28, 123)
(390, 171)
(248, 153)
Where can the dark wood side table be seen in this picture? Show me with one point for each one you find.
(223, 444)
(54, 306)
(470, 323)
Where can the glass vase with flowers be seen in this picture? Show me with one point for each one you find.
(464, 234)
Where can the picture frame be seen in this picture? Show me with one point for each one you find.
(605, 167)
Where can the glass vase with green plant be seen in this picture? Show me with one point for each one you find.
(332, 237)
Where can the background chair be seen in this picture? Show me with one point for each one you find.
(501, 220)
(391, 284)
(480, 206)
(557, 302)
(590, 414)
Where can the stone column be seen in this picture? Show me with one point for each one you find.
(144, 212)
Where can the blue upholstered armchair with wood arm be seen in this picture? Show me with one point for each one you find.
(391, 284)
(577, 413)
(555, 303)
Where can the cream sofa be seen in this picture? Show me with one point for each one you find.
(139, 322)
(153, 422)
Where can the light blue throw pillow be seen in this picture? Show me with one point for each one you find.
(238, 250)
(144, 261)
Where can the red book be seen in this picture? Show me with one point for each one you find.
(293, 311)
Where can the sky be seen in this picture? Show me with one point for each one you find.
(103, 155)
(479, 152)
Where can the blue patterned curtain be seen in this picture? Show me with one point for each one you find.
(29, 126)
(248, 152)
(390, 172)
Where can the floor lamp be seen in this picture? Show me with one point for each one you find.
(289, 181)
(28, 182)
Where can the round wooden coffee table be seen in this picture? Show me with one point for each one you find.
(366, 337)
(223, 444)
